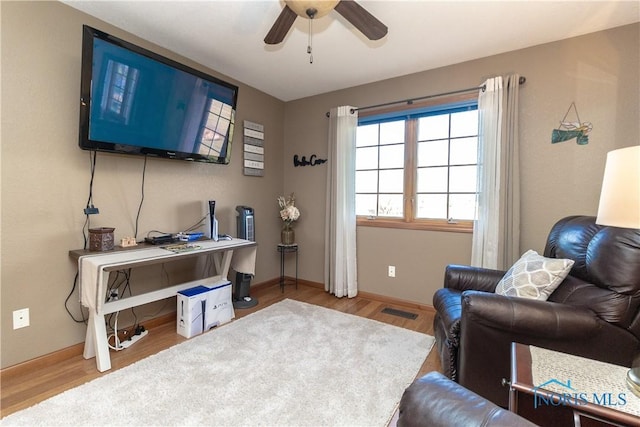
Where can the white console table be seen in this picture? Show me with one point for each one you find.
(94, 269)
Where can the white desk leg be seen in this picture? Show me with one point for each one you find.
(89, 340)
(223, 263)
(96, 342)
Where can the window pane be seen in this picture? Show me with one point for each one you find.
(462, 179)
(464, 123)
(433, 153)
(390, 205)
(464, 151)
(367, 135)
(462, 206)
(444, 175)
(392, 132)
(392, 181)
(433, 127)
(366, 204)
(432, 206)
(367, 181)
(392, 156)
(432, 180)
(367, 158)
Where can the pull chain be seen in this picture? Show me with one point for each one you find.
(310, 42)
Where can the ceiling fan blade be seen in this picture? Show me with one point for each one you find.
(281, 27)
(358, 16)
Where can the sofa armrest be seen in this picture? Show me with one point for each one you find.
(464, 277)
(528, 317)
(434, 400)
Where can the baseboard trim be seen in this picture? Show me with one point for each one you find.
(376, 297)
(69, 352)
(41, 362)
(77, 349)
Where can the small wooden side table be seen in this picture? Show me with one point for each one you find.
(568, 407)
(285, 249)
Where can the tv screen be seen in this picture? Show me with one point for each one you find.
(134, 101)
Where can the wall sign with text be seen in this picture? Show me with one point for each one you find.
(253, 149)
(312, 161)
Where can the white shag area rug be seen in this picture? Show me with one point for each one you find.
(289, 364)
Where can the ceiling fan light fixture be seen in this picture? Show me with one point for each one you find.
(322, 7)
(350, 10)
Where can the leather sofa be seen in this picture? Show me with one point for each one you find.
(436, 401)
(593, 313)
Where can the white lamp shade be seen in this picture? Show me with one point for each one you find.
(620, 195)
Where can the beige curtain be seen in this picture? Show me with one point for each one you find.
(340, 267)
(496, 234)
(509, 250)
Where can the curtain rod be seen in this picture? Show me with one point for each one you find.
(410, 101)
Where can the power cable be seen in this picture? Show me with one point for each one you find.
(66, 302)
(144, 172)
(85, 227)
(87, 222)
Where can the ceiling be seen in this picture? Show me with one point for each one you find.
(227, 36)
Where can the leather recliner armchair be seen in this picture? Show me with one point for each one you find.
(593, 313)
(436, 401)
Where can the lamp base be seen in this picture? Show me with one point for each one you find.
(633, 380)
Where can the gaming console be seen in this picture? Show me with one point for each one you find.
(212, 223)
(203, 307)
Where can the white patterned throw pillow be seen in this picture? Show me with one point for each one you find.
(534, 276)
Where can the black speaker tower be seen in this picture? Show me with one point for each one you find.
(246, 230)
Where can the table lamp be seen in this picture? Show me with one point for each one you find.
(620, 207)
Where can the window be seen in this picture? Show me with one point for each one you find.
(417, 168)
(216, 122)
(120, 86)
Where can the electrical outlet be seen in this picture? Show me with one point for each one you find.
(21, 318)
(392, 271)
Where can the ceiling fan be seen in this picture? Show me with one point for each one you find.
(365, 22)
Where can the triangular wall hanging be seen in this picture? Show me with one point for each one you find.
(569, 130)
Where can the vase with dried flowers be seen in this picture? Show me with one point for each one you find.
(289, 213)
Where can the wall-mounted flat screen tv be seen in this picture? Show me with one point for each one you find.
(134, 101)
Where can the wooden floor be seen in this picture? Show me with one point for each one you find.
(28, 385)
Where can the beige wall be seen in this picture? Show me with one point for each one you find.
(44, 190)
(598, 71)
(45, 180)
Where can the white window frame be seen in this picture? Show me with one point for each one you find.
(409, 220)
